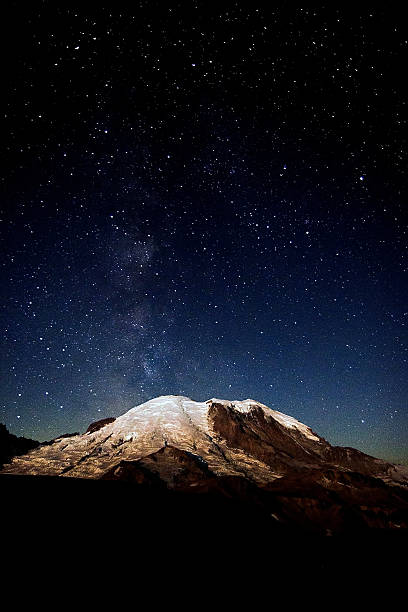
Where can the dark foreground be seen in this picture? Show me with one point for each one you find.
(70, 523)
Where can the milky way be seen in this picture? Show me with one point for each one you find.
(205, 202)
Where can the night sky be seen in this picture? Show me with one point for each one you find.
(207, 201)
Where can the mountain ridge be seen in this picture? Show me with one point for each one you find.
(236, 450)
(215, 426)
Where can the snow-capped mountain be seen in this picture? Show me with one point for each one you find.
(239, 449)
(194, 427)
(233, 438)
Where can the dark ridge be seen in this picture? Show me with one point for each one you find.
(97, 425)
(11, 445)
(68, 435)
(188, 531)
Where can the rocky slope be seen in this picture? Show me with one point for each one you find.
(240, 450)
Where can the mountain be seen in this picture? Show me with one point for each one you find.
(227, 454)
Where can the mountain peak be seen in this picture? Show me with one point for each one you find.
(232, 437)
(236, 449)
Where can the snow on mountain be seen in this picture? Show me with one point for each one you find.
(284, 419)
(232, 438)
(166, 420)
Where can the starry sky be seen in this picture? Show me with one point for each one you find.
(207, 201)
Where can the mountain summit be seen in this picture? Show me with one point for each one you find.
(238, 450)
